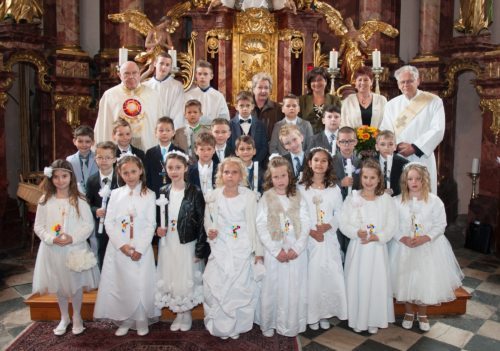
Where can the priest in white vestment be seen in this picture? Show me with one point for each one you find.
(417, 119)
(139, 105)
(171, 90)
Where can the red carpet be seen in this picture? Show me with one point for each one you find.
(99, 336)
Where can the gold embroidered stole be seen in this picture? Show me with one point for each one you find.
(411, 111)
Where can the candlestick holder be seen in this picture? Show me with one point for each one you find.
(474, 177)
(333, 72)
(377, 71)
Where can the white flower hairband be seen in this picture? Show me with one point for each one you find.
(47, 171)
(274, 155)
(414, 163)
(319, 148)
(178, 153)
(125, 154)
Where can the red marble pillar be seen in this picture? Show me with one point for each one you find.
(68, 24)
(429, 27)
(130, 38)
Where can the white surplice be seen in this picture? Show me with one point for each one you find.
(51, 275)
(367, 274)
(427, 274)
(213, 104)
(326, 295)
(127, 287)
(283, 300)
(172, 98)
(112, 106)
(426, 130)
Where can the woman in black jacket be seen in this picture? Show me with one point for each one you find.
(182, 245)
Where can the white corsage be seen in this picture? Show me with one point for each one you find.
(47, 171)
(80, 260)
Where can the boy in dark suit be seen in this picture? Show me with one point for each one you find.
(292, 139)
(122, 135)
(386, 147)
(327, 139)
(156, 176)
(245, 150)
(221, 131)
(244, 124)
(105, 159)
(202, 173)
(346, 142)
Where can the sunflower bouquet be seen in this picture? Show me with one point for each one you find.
(366, 136)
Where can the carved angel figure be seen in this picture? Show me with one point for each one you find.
(475, 16)
(157, 37)
(354, 41)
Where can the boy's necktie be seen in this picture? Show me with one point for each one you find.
(297, 165)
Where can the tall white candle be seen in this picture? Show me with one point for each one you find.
(475, 165)
(334, 59)
(377, 63)
(105, 192)
(173, 54)
(256, 176)
(122, 56)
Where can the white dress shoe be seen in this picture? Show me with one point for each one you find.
(324, 324)
(424, 326)
(268, 333)
(235, 337)
(372, 330)
(407, 323)
(122, 331)
(314, 326)
(61, 328)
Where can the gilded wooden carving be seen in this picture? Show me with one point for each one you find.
(72, 105)
(494, 106)
(453, 69)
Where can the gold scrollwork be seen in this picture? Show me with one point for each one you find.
(33, 58)
(72, 105)
(453, 69)
(187, 62)
(296, 39)
(319, 59)
(494, 106)
(212, 40)
(255, 21)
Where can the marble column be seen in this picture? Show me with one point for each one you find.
(429, 27)
(68, 24)
(368, 10)
(129, 37)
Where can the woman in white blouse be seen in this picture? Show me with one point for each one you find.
(364, 107)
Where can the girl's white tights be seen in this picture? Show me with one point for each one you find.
(76, 300)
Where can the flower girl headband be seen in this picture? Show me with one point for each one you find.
(47, 171)
(178, 153)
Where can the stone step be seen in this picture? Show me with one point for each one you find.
(44, 307)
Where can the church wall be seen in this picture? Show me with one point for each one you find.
(89, 26)
(408, 32)
(468, 138)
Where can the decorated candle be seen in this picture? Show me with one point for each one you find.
(122, 56)
(173, 54)
(376, 59)
(256, 176)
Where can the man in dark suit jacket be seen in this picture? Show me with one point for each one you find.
(386, 146)
(105, 162)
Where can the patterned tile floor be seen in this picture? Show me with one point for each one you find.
(477, 330)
